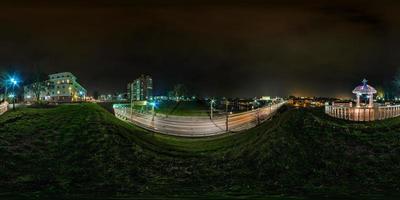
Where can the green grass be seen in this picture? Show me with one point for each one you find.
(82, 149)
(181, 108)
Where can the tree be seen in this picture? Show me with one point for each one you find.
(38, 85)
(396, 80)
(380, 95)
(3, 84)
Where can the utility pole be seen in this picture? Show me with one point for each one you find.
(211, 108)
(226, 105)
(131, 103)
(13, 102)
(227, 122)
(153, 104)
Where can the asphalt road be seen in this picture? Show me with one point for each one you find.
(198, 126)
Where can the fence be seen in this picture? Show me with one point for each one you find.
(197, 126)
(3, 108)
(363, 113)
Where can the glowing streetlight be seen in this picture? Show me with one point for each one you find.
(11, 82)
(211, 107)
(153, 105)
(255, 103)
(226, 105)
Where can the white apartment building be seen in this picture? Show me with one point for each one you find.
(60, 87)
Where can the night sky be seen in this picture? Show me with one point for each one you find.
(229, 48)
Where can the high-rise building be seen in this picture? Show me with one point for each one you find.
(60, 87)
(141, 89)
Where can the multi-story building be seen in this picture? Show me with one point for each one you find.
(60, 87)
(141, 89)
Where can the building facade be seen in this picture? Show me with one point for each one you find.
(60, 87)
(141, 89)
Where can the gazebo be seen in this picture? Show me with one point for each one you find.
(365, 89)
(362, 113)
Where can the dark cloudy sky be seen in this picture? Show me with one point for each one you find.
(229, 48)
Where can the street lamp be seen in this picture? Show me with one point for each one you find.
(83, 96)
(255, 103)
(13, 82)
(153, 105)
(211, 107)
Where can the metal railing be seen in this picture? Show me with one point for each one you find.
(3, 107)
(193, 126)
(363, 113)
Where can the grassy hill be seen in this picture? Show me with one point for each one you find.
(83, 149)
(181, 108)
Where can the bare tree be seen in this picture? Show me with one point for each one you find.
(396, 80)
(38, 85)
(3, 84)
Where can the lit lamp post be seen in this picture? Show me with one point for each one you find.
(14, 83)
(258, 111)
(153, 105)
(131, 106)
(211, 108)
(255, 103)
(82, 94)
(9, 82)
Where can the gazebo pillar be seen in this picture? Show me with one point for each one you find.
(358, 100)
(371, 100)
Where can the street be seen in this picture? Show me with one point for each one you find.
(198, 126)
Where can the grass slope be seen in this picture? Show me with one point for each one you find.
(82, 149)
(181, 108)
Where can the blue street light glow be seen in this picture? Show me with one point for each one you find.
(153, 103)
(11, 95)
(11, 82)
(14, 81)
